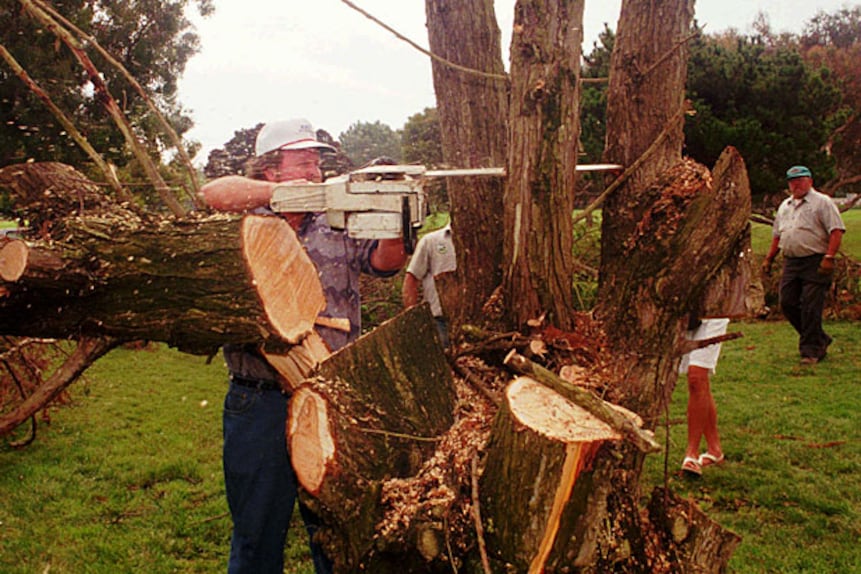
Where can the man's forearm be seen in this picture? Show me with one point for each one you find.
(236, 193)
(389, 255)
(410, 290)
(834, 242)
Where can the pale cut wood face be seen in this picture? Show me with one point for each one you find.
(284, 276)
(312, 447)
(548, 413)
(13, 259)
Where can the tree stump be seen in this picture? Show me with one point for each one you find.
(539, 444)
(694, 542)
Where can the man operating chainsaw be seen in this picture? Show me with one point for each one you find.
(259, 479)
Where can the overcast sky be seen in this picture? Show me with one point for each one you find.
(263, 60)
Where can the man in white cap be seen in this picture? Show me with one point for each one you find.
(259, 479)
(808, 229)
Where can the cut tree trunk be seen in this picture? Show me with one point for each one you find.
(539, 445)
(374, 411)
(195, 283)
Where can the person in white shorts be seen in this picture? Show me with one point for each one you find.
(702, 411)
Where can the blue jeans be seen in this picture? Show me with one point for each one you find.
(260, 483)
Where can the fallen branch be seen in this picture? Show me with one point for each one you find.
(67, 124)
(88, 350)
(110, 104)
(168, 130)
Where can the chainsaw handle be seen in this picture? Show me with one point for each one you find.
(408, 231)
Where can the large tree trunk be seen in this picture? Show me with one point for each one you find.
(645, 112)
(194, 284)
(473, 110)
(542, 157)
(374, 411)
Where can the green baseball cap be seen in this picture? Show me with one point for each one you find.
(798, 171)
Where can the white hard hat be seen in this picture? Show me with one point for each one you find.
(288, 134)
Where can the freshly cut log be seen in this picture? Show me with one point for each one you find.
(539, 444)
(374, 411)
(194, 284)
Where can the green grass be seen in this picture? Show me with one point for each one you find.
(128, 477)
(791, 485)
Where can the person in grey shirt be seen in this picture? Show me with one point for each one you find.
(808, 229)
(434, 256)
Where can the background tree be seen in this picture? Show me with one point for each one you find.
(364, 141)
(420, 139)
(233, 157)
(765, 100)
(593, 97)
(834, 41)
(421, 143)
(759, 92)
(152, 39)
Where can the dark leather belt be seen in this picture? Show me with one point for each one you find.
(258, 384)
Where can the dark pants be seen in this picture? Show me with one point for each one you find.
(802, 298)
(442, 330)
(260, 483)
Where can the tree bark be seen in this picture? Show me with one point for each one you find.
(539, 445)
(374, 411)
(542, 156)
(473, 110)
(696, 543)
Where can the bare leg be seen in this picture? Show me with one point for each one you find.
(702, 414)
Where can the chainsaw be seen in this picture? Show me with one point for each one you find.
(378, 201)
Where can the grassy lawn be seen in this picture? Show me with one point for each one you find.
(791, 484)
(128, 477)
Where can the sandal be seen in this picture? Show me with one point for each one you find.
(708, 459)
(691, 466)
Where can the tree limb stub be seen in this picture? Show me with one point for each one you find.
(540, 443)
(643, 439)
